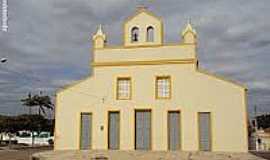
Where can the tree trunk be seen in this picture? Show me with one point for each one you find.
(9, 140)
(30, 110)
(39, 111)
(33, 139)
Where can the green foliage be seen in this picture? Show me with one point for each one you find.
(40, 101)
(32, 122)
(263, 121)
(25, 122)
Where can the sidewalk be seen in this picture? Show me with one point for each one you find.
(20, 153)
(141, 155)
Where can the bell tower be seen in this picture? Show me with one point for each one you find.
(143, 28)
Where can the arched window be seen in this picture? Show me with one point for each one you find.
(135, 34)
(150, 34)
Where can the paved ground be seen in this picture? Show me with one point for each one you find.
(142, 155)
(20, 154)
(265, 155)
(24, 154)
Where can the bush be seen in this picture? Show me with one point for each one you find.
(25, 122)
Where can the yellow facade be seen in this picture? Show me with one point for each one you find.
(192, 91)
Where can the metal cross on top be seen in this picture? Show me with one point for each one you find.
(144, 3)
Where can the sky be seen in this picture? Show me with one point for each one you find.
(49, 42)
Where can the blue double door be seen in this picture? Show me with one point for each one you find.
(86, 131)
(205, 131)
(174, 132)
(114, 130)
(143, 130)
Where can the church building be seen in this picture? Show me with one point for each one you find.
(149, 95)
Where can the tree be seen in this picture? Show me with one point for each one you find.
(263, 121)
(29, 102)
(25, 122)
(40, 101)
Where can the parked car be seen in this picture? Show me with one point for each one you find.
(29, 138)
(7, 138)
(44, 138)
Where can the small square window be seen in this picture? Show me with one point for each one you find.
(163, 87)
(123, 88)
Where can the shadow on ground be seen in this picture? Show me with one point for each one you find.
(20, 153)
(145, 155)
(265, 155)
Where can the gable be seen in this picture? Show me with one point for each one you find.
(220, 78)
(142, 12)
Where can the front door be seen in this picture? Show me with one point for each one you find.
(114, 130)
(86, 130)
(204, 131)
(174, 130)
(143, 130)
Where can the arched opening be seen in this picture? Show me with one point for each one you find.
(135, 34)
(150, 34)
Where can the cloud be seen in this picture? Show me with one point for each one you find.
(49, 42)
(262, 84)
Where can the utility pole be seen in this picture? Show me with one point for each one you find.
(9, 131)
(4, 60)
(255, 117)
